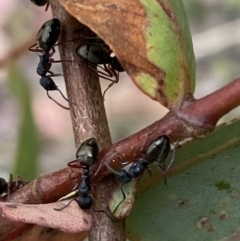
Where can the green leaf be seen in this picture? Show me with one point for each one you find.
(152, 42)
(27, 151)
(169, 45)
(201, 201)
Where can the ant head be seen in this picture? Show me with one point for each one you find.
(48, 34)
(158, 150)
(87, 152)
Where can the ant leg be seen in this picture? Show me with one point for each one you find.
(60, 209)
(48, 3)
(115, 172)
(164, 169)
(113, 71)
(121, 177)
(70, 102)
(71, 165)
(140, 150)
(70, 40)
(124, 197)
(66, 108)
(60, 61)
(110, 85)
(35, 48)
(100, 73)
(149, 171)
(53, 51)
(10, 187)
(102, 211)
(107, 74)
(172, 160)
(52, 74)
(110, 216)
(115, 74)
(19, 182)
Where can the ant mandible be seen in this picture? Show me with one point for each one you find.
(157, 151)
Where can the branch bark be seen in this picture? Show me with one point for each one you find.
(88, 116)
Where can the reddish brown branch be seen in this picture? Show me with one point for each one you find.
(209, 110)
(197, 117)
(206, 111)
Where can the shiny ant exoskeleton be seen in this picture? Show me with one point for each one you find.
(96, 52)
(47, 37)
(41, 3)
(86, 156)
(10, 186)
(157, 152)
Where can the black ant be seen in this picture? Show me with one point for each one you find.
(47, 37)
(10, 186)
(86, 156)
(96, 52)
(41, 3)
(157, 152)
